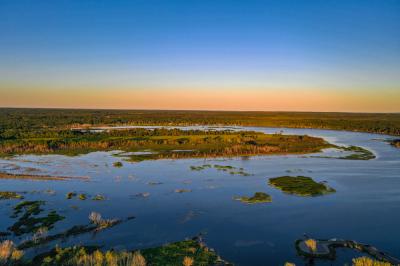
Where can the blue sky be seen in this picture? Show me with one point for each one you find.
(344, 46)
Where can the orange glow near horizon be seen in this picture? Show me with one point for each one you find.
(207, 99)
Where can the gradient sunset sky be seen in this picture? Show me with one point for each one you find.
(326, 55)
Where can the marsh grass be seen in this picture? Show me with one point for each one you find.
(28, 221)
(10, 195)
(300, 186)
(366, 261)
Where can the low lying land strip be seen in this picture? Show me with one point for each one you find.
(16, 121)
(4, 175)
(164, 143)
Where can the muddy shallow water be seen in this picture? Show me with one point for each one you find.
(365, 208)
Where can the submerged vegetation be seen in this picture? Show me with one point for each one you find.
(300, 185)
(225, 168)
(28, 221)
(258, 197)
(38, 177)
(10, 195)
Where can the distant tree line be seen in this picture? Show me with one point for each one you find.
(17, 123)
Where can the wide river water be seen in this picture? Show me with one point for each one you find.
(365, 208)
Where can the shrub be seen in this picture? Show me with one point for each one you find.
(366, 261)
(9, 253)
(187, 261)
(311, 244)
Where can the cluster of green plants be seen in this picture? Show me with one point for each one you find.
(258, 197)
(84, 196)
(225, 168)
(359, 153)
(300, 185)
(14, 121)
(28, 220)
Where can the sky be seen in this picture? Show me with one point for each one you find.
(291, 55)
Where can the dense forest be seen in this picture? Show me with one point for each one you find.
(17, 122)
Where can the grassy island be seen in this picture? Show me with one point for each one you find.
(300, 185)
(359, 153)
(258, 197)
(163, 143)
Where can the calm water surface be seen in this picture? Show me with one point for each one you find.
(365, 208)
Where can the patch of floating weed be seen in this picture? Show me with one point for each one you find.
(258, 197)
(118, 164)
(182, 190)
(99, 197)
(154, 183)
(82, 196)
(4, 195)
(225, 168)
(71, 195)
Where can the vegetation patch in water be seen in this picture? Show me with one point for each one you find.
(225, 168)
(99, 197)
(258, 197)
(183, 190)
(300, 185)
(359, 153)
(71, 195)
(10, 195)
(4, 175)
(118, 164)
(28, 222)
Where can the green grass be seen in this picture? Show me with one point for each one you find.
(300, 185)
(359, 153)
(225, 168)
(258, 197)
